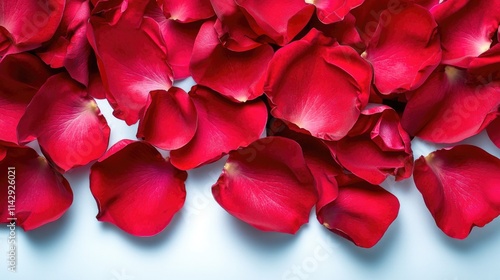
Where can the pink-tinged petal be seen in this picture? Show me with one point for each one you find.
(466, 28)
(170, 120)
(267, 185)
(132, 62)
(223, 126)
(41, 194)
(237, 75)
(187, 10)
(136, 189)
(278, 20)
(448, 107)
(29, 23)
(317, 86)
(66, 121)
(21, 75)
(376, 147)
(460, 188)
(494, 131)
(330, 11)
(486, 67)
(361, 213)
(232, 27)
(404, 51)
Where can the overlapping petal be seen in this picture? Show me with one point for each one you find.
(223, 126)
(494, 132)
(170, 120)
(449, 107)
(40, 194)
(317, 86)
(237, 75)
(405, 50)
(187, 10)
(66, 121)
(361, 212)
(267, 185)
(136, 189)
(460, 188)
(330, 11)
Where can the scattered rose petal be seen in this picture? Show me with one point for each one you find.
(494, 132)
(330, 11)
(186, 10)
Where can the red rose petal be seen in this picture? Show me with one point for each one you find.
(41, 194)
(448, 107)
(186, 11)
(67, 123)
(486, 67)
(223, 126)
(466, 28)
(174, 129)
(361, 212)
(21, 75)
(237, 75)
(281, 23)
(494, 132)
(404, 51)
(132, 62)
(136, 189)
(460, 188)
(318, 86)
(344, 31)
(330, 11)
(267, 185)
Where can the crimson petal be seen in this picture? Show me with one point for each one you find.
(267, 185)
(494, 132)
(460, 188)
(186, 10)
(66, 121)
(223, 126)
(330, 11)
(136, 189)
(41, 194)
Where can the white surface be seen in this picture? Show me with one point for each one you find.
(204, 242)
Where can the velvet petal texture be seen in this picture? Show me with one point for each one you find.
(330, 11)
(466, 28)
(223, 126)
(28, 24)
(376, 147)
(66, 121)
(186, 10)
(136, 189)
(41, 194)
(170, 120)
(449, 107)
(494, 132)
(132, 62)
(280, 21)
(267, 185)
(21, 75)
(237, 75)
(460, 187)
(317, 86)
(361, 213)
(404, 51)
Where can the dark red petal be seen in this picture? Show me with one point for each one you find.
(487, 66)
(404, 51)
(132, 62)
(330, 11)
(267, 185)
(344, 31)
(187, 10)
(494, 132)
(280, 22)
(361, 212)
(67, 123)
(21, 75)
(376, 147)
(30, 23)
(170, 120)
(136, 189)
(448, 108)
(466, 28)
(460, 188)
(223, 126)
(237, 75)
(317, 86)
(41, 194)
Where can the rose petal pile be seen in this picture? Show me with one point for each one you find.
(315, 104)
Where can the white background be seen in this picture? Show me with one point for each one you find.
(205, 242)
